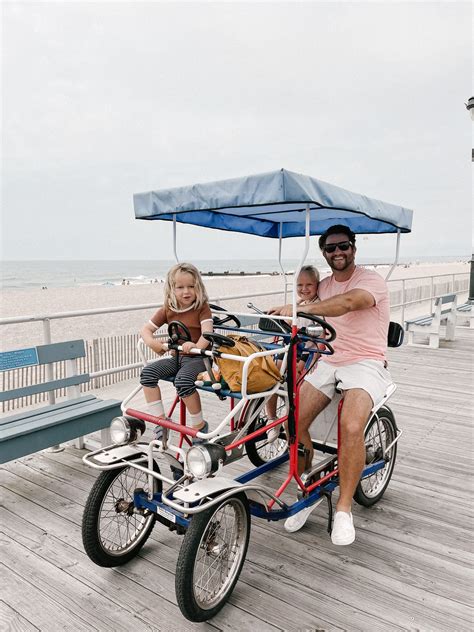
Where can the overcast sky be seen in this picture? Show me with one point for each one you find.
(102, 100)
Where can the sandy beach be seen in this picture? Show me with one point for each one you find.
(37, 302)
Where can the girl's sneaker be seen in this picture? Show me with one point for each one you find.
(158, 431)
(197, 440)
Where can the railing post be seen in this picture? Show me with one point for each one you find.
(49, 374)
(403, 303)
(471, 281)
(49, 367)
(95, 361)
(431, 294)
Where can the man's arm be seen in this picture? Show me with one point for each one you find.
(336, 306)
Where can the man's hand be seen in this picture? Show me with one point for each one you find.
(282, 310)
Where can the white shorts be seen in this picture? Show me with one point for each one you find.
(369, 375)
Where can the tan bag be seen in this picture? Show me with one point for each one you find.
(263, 372)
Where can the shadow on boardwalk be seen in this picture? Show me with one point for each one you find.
(409, 569)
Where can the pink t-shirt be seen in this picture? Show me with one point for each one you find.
(362, 334)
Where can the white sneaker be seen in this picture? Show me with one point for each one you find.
(273, 433)
(343, 532)
(294, 523)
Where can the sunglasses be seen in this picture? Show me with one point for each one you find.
(342, 245)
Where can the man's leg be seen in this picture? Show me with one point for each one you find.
(312, 402)
(355, 412)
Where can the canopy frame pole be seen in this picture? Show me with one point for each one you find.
(280, 244)
(300, 264)
(397, 251)
(174, 239)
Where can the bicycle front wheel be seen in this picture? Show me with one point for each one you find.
(211, 558)
(113, 530)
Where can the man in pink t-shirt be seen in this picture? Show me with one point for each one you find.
(355, 301)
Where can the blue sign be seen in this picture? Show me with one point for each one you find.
(18, 359)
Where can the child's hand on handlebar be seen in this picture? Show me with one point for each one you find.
(187, 346)
(158, 347)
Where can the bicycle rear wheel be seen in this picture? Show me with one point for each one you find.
(377, 438)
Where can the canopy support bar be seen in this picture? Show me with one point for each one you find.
(395, 263)
(174, 239)
(280, 243)
(302, 260)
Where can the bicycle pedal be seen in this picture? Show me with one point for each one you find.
(318, 470)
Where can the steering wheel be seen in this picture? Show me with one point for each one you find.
(178, 332)
(328, 329)
(219, 340)
(224, 319)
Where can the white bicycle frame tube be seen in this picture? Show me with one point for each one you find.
(397, 250)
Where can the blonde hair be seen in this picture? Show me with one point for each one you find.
(169, 293)
(312, 271)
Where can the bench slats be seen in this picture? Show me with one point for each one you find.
(45, 409)
(44, 387)
(45, 420)
(46, 430)
(57, 351)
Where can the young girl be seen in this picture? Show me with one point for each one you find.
(186, 300)
(307, 290)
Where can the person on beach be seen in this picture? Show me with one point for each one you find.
(356, 302)
(185, 300)
(307, 291)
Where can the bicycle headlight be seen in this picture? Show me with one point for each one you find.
(126, 429)
(202, 460)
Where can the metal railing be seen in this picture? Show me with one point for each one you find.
(110, 356)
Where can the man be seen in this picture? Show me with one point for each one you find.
(355, 301)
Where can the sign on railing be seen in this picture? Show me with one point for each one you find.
(20, 358)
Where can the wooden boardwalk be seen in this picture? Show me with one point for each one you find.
(410, 567)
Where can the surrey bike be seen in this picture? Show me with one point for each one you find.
(208, 506)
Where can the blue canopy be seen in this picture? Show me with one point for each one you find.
(266, 203)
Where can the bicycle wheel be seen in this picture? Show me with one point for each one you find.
(211, 558)
(261, 450)
(113, 531)
(371, 488)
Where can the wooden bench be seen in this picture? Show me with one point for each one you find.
(40, 428)
(465, 313)
(444, 313)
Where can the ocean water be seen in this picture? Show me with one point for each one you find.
(38, 274)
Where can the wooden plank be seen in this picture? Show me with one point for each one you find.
(28, 598)
(140, 582)
(13, 621)
(58, 584)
